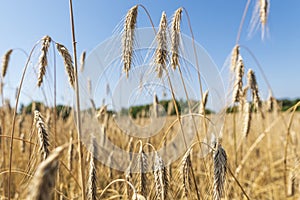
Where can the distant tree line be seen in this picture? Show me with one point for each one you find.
(140, 110)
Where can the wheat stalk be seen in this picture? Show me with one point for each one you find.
(161, 51)
(44, 178)
(175, 38)
(5, 61)
(43, 61)
(42, 134)
(161, 178)
(220, 168)
(67, 62)
(128, 38)
(1, 88)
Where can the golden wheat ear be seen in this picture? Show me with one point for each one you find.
(128, 38)
(92, 181)
(175, 38)
(238, 83)
(68, 62)
(42, 134)
(143, 165)
(203, 103)
(260, 17)
(185, 172)
(137, 196)
(220, 169)
(5, 61)
(234, 57)
(161, 51)
(161, 178)
(264, 11)
(44, 179)
(252, 84)
(247, 119)
(82, 61)
(43, 60)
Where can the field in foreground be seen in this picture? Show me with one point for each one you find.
(255, 163)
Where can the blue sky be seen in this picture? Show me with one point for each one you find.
(215, 25)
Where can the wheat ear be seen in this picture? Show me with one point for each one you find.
(5, 61)
(271, 103)
(67, 62)
(44, 178)
(220, 168)
(234, 57)
(161, 51)
(43, 61)
(247, 119)
(143, 165)
(42, 134)
(238, 84)
(185, 172)
(128, 38)
(252, 84)
(137, 196)
(92, 186)
(203, 102)
(175, 38)
(22, 147)
(161, 178)
(263, 11)
(82, 61)
(260, 16)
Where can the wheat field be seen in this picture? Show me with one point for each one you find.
(44, 152)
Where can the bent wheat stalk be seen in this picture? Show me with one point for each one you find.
(14, 120)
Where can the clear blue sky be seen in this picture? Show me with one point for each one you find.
(215, 25)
